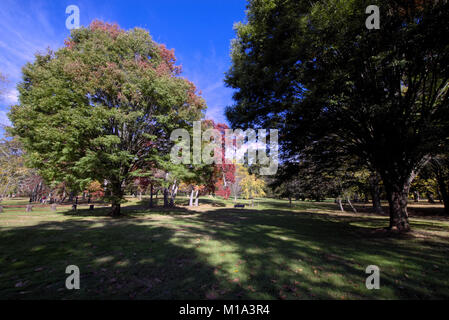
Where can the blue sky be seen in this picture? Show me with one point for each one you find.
(200, 31)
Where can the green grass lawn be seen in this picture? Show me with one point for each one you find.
(271, 251)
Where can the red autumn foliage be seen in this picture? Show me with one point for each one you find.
(224, 173)
(168, 61)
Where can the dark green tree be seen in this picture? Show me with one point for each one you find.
(313, 70)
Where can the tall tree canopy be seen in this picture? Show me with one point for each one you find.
(313, 70)
(102, 107)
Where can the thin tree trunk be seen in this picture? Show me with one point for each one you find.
(350, 204)
(430, 197)
(197, 197)
(191, 197)
(340, 204)
(444, 193)
(173, 193)
(165, 198)
(151, 196)
(375, 192)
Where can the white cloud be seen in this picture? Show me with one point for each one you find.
(4, 119)
(25, 30)
(10, 96)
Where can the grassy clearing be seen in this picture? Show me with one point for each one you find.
(271, 251)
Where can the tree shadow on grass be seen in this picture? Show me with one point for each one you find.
(118, 259)
(275, 242)
(128, 211)
(219, 254)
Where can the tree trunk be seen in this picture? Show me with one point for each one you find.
(290, 201)
(115, 209)
(397, 201)
(444, 194)
(350, 204)
(430, 197)
(377, 205)
(165, 198)
(440, 198)
(191, 197)
(197, 197)
(340, 204)
(173, 193)
(117, 194)
(375, 192)
(151, 196)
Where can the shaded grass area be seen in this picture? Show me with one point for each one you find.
(272, 251)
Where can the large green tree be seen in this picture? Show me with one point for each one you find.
(313, 70)
(102, 107)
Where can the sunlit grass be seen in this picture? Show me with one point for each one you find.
(216, 251)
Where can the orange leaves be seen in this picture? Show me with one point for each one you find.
(168, 61)
(69, 43)
(112, 28)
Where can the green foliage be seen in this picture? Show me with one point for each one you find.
(13, 172)
(102, 107)
(313, 70)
